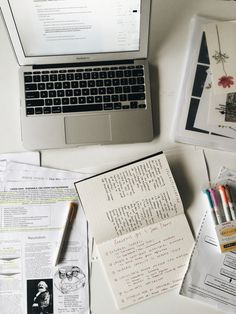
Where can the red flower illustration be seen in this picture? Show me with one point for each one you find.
(226, 81)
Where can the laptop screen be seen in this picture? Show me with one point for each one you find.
(66, 27)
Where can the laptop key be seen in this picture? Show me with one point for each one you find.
(107, 82)
(58, 85)
(44, 94)
(123, 97)
(81, 108)
(56, 109)
(137, 88)
(126, 89)
(138, 96)
(90, 99)
(83, 84)
(94, 75)
(29, 95)
(69, 92)
(124, 81)
(108, 106)
(60, 93)
(133, 80)
(29, 111)
(99, 83)
(78, 76)
(47, 110)
(65, 101)
(74, 84)
(115, 98)
(91, 83)
(52, 93)
(111, 74)
(142, 106)
(73, 100)
(36, 78)
(127, 73)
(118, 89)
(98, 99)
(116, 82)
(48, 102)
(138, 72)
(38, 110)
(28, 79)
(140, 80)
(61, 77)
(133, 104)
(49, 85)
(66, 85)
(70, 76)
(53, 77)
(86, 76)
(45, 78)
(34, 102)
(110, 90)
(85, 91)
(94, 91)
(41, 86)
(56, 101)
(106, 98)
(119, 73)
(117, 105)
(102, 91)
(82, 100)
(30, 86)
(103, 75)
(77, 92)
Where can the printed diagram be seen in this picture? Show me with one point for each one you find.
(227, 271)
(227, 286)
(69, 278)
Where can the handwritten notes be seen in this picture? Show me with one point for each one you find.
(137, 218)
(147, 262)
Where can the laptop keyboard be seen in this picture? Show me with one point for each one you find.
(84, 89)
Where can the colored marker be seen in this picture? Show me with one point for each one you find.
(230, 202)
(213, 215)
(215, 204)
(224, 201)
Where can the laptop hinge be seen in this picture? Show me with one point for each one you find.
(81, 64)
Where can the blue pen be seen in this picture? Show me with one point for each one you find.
(210, 202)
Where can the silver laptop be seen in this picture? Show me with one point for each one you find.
(83, 71)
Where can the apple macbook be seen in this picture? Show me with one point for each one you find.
(83, 71)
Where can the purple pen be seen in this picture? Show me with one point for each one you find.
(215, 203)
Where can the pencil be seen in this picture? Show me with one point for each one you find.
(69, 219)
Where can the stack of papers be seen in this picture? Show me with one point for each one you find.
(33, 207)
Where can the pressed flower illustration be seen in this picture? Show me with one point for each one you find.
(226, 80)
(220, 57)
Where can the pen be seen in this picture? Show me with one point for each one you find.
(215, 204)
(213, 215)
(69, 219)
(224, 201)
(230, 202)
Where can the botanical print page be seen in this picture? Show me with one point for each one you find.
(221, 42)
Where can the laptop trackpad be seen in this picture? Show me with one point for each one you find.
(88, 129)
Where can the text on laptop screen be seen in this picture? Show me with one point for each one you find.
(66, 27)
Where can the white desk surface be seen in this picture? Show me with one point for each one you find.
(168, 41)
